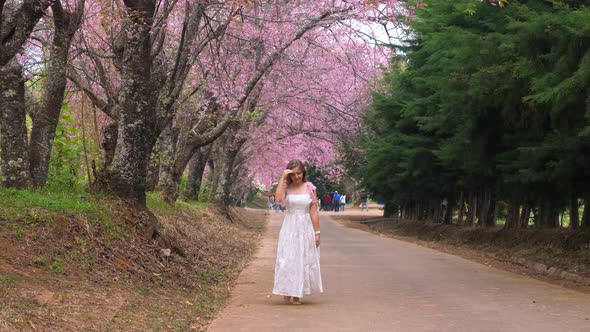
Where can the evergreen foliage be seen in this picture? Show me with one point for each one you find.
(486, 113)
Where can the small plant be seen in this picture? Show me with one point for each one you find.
(56, 265)
(65, 166)
(82, 243)
(181, 324)
(36, 216)
(17, 232)
(41, 261)
(8, 280)
(87, 315)
(211, 276)
(30, 302)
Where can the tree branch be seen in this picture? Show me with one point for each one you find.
(15, 31)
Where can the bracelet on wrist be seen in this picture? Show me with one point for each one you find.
(317, 232)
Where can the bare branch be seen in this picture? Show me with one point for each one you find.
(15, 31)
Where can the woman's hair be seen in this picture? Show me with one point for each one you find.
(296, 163)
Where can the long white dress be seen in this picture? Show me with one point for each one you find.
(297, 269)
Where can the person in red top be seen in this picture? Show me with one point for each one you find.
(327, 202)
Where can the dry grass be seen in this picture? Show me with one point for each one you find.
(63, 274)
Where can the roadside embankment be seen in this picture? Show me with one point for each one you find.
(72, 263)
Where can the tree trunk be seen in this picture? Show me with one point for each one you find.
(195, 174)
(448, 216)
(153, 172)
(412, 212)
(437, 209)
(137, 127)
(541, 220)
(553, 218)
(548, 214)
(17, 24)
(586, 213)
(109, 144)
(525, 215)
(217, 160)
(574, 214)
(13, 128)
(239, 183)
(45, 121)
(224, 153)
(434, 212)
(483, 204)
(232, 159)
(488, 211)
(461, 208)
(472, 208)
(389, 209)
(493, 217)
(212, 171)
(512, 220)
(168, 181)
(420, 212)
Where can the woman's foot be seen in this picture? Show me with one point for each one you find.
(287, 299)
(297, 300)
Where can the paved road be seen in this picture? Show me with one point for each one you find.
(372, 283)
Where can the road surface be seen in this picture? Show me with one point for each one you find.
(373, 283)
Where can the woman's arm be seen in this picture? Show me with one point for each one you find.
(315, 218)
(282, 186)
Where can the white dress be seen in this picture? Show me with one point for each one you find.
(297, 269)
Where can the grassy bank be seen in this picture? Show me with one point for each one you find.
(71, 262)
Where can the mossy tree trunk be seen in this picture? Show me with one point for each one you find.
(46, 119)
(586, 213)
(14, 145)
(472, 208)
(196, 169)
(574, 214)
(137, 129)
(167, 179)
(461, 212)
(513, 217)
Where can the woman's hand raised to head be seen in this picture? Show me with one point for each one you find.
(286, 173)
(281, 189)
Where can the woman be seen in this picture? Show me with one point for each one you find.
(297, 269)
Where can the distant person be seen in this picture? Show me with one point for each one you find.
(336, 201)
(364, 201)
(297, 268)
(342, 202)
(271, 201)
(327, 202)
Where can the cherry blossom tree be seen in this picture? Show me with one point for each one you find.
(17, 21)
(237, 72)
(23, 162)
(150, 65)
(152, 47)
(313, 103)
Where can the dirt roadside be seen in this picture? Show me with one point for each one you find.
(63, 275)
